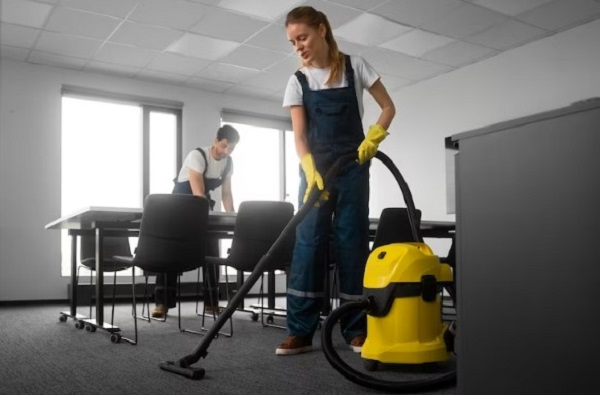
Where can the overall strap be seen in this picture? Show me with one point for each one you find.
(349, 71)
(227, 166)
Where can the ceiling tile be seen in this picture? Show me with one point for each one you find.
(459, 53)
(463, 21)
(242, 90)
(177, 14)
(417, 42)
(273, 37)
(145, 36)
(118, 8)
(177, 64)
(350, 48)
(506, 35)
(207, 2)
(14, 53)
(364, 5)
(265, 9)
(228, 72)
(510, 7)
(24, 12)
(276, 76)
(286, 67)
(112, 69)
(415, 12)
(256, 58)
(562, 14)
(209, 85)
(81, 23)
(403, 66)
(161, 76)
(392, 83)
(370, 30)
(228, 25)
(125, 55)
(270, 81)
(18, 36)
(202, 47)
(64, 44)
(50, 59)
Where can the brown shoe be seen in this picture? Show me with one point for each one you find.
(211, 309)
(294, 345)
(356, 343)
(160, 311)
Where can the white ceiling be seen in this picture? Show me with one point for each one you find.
(240, 47)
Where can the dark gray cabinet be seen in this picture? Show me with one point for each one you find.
(528, 254)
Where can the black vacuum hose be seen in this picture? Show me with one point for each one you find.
(365, 380)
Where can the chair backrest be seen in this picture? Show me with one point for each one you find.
(394, 227)
(258, 225)
(111, 246)
(172, 233)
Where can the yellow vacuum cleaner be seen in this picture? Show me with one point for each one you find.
(404, 324)
(402, 297)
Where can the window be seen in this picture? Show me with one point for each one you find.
(265, 163)
(115, 152)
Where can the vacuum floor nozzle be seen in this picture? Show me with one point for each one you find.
(189, 372)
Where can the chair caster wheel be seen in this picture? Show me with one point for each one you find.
(270, 319)
(62, 318)
(90, 328)
(115, 338)
(79, 324)
(371, 365)
(254, 316)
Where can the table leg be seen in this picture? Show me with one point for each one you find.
(99, 321)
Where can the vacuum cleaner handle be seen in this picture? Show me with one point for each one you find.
(183, 366)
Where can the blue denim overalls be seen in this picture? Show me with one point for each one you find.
(334, 129)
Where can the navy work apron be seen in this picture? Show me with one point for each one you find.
(210, 184)
(334, 129)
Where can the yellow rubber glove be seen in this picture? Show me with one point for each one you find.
(368, 148)
(312, 175)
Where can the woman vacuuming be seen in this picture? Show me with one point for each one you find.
(325, 100)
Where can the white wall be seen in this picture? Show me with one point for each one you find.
(30, 98)
(541, 76)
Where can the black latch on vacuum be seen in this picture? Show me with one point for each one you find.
(429, 288)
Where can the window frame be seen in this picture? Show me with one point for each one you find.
(147, 106)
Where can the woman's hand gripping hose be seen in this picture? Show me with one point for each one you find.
(368, 148)
(313, 178)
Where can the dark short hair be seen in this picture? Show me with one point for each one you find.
(228, 132)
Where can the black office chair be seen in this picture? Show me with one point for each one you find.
(172, 240)
(258, 225)
(394, 227)
(111, 246)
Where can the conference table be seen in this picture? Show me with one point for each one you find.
(120, 221)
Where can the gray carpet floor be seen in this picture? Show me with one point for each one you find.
(40, 355)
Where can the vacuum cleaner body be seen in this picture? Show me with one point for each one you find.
(403, 282)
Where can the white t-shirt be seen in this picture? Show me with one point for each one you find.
(364, 77)
(195, 161)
